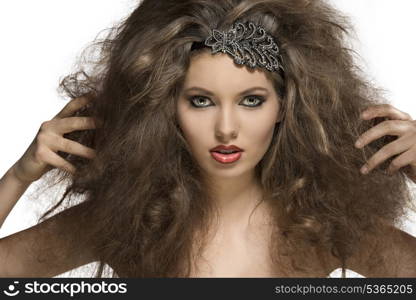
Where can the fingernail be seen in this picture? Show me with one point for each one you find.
(358, 144)
(364, 170)
(364, 114)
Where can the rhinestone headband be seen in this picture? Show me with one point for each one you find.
(247, 44)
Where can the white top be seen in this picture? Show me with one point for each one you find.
(337, 273)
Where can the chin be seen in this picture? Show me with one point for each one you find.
(229, 172)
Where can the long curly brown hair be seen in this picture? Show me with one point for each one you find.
(143, 197)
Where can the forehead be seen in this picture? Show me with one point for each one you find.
(219, 70)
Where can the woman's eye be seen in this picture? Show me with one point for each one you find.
(254, 101)
(249, 101)
(199, 101)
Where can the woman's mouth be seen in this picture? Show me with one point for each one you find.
(226, 154)
(226, 158)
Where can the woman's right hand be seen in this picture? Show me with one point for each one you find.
(41, 156)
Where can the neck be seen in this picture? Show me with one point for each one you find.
(235, 197)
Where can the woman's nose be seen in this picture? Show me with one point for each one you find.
(226, 127)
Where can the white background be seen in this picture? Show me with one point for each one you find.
(40, 41)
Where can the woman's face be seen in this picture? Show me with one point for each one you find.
(222, 103)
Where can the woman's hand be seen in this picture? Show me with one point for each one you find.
(41, 156)
(399, 124)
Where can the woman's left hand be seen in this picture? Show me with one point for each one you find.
(398, 124)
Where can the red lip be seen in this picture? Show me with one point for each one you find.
(223, 147)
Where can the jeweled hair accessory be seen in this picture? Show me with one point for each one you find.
(247, 44)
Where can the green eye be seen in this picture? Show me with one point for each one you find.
(201, 101)
(254, 101)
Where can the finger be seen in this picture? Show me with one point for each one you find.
(396, 147)
(55, 160)
(72, 147)
(75, 123)
(389, 127)
(384, 110)
(72, 107)
(406, 158)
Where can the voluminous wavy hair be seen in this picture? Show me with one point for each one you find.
(145, 206)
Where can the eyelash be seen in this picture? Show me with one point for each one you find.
(260, 99)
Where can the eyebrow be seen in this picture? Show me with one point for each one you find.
(209, 93)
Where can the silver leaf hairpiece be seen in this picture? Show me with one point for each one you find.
(249, 45)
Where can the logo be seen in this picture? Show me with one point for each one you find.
(11, 290)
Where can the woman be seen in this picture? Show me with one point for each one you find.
(142, 141)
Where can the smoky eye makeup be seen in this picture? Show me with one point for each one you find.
(250, 101)
(199, 101)
(254, 100)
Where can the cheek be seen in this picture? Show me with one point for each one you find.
(261, 127)
(262, 135)
(192, 129)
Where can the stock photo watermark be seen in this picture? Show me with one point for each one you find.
(72, 288)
